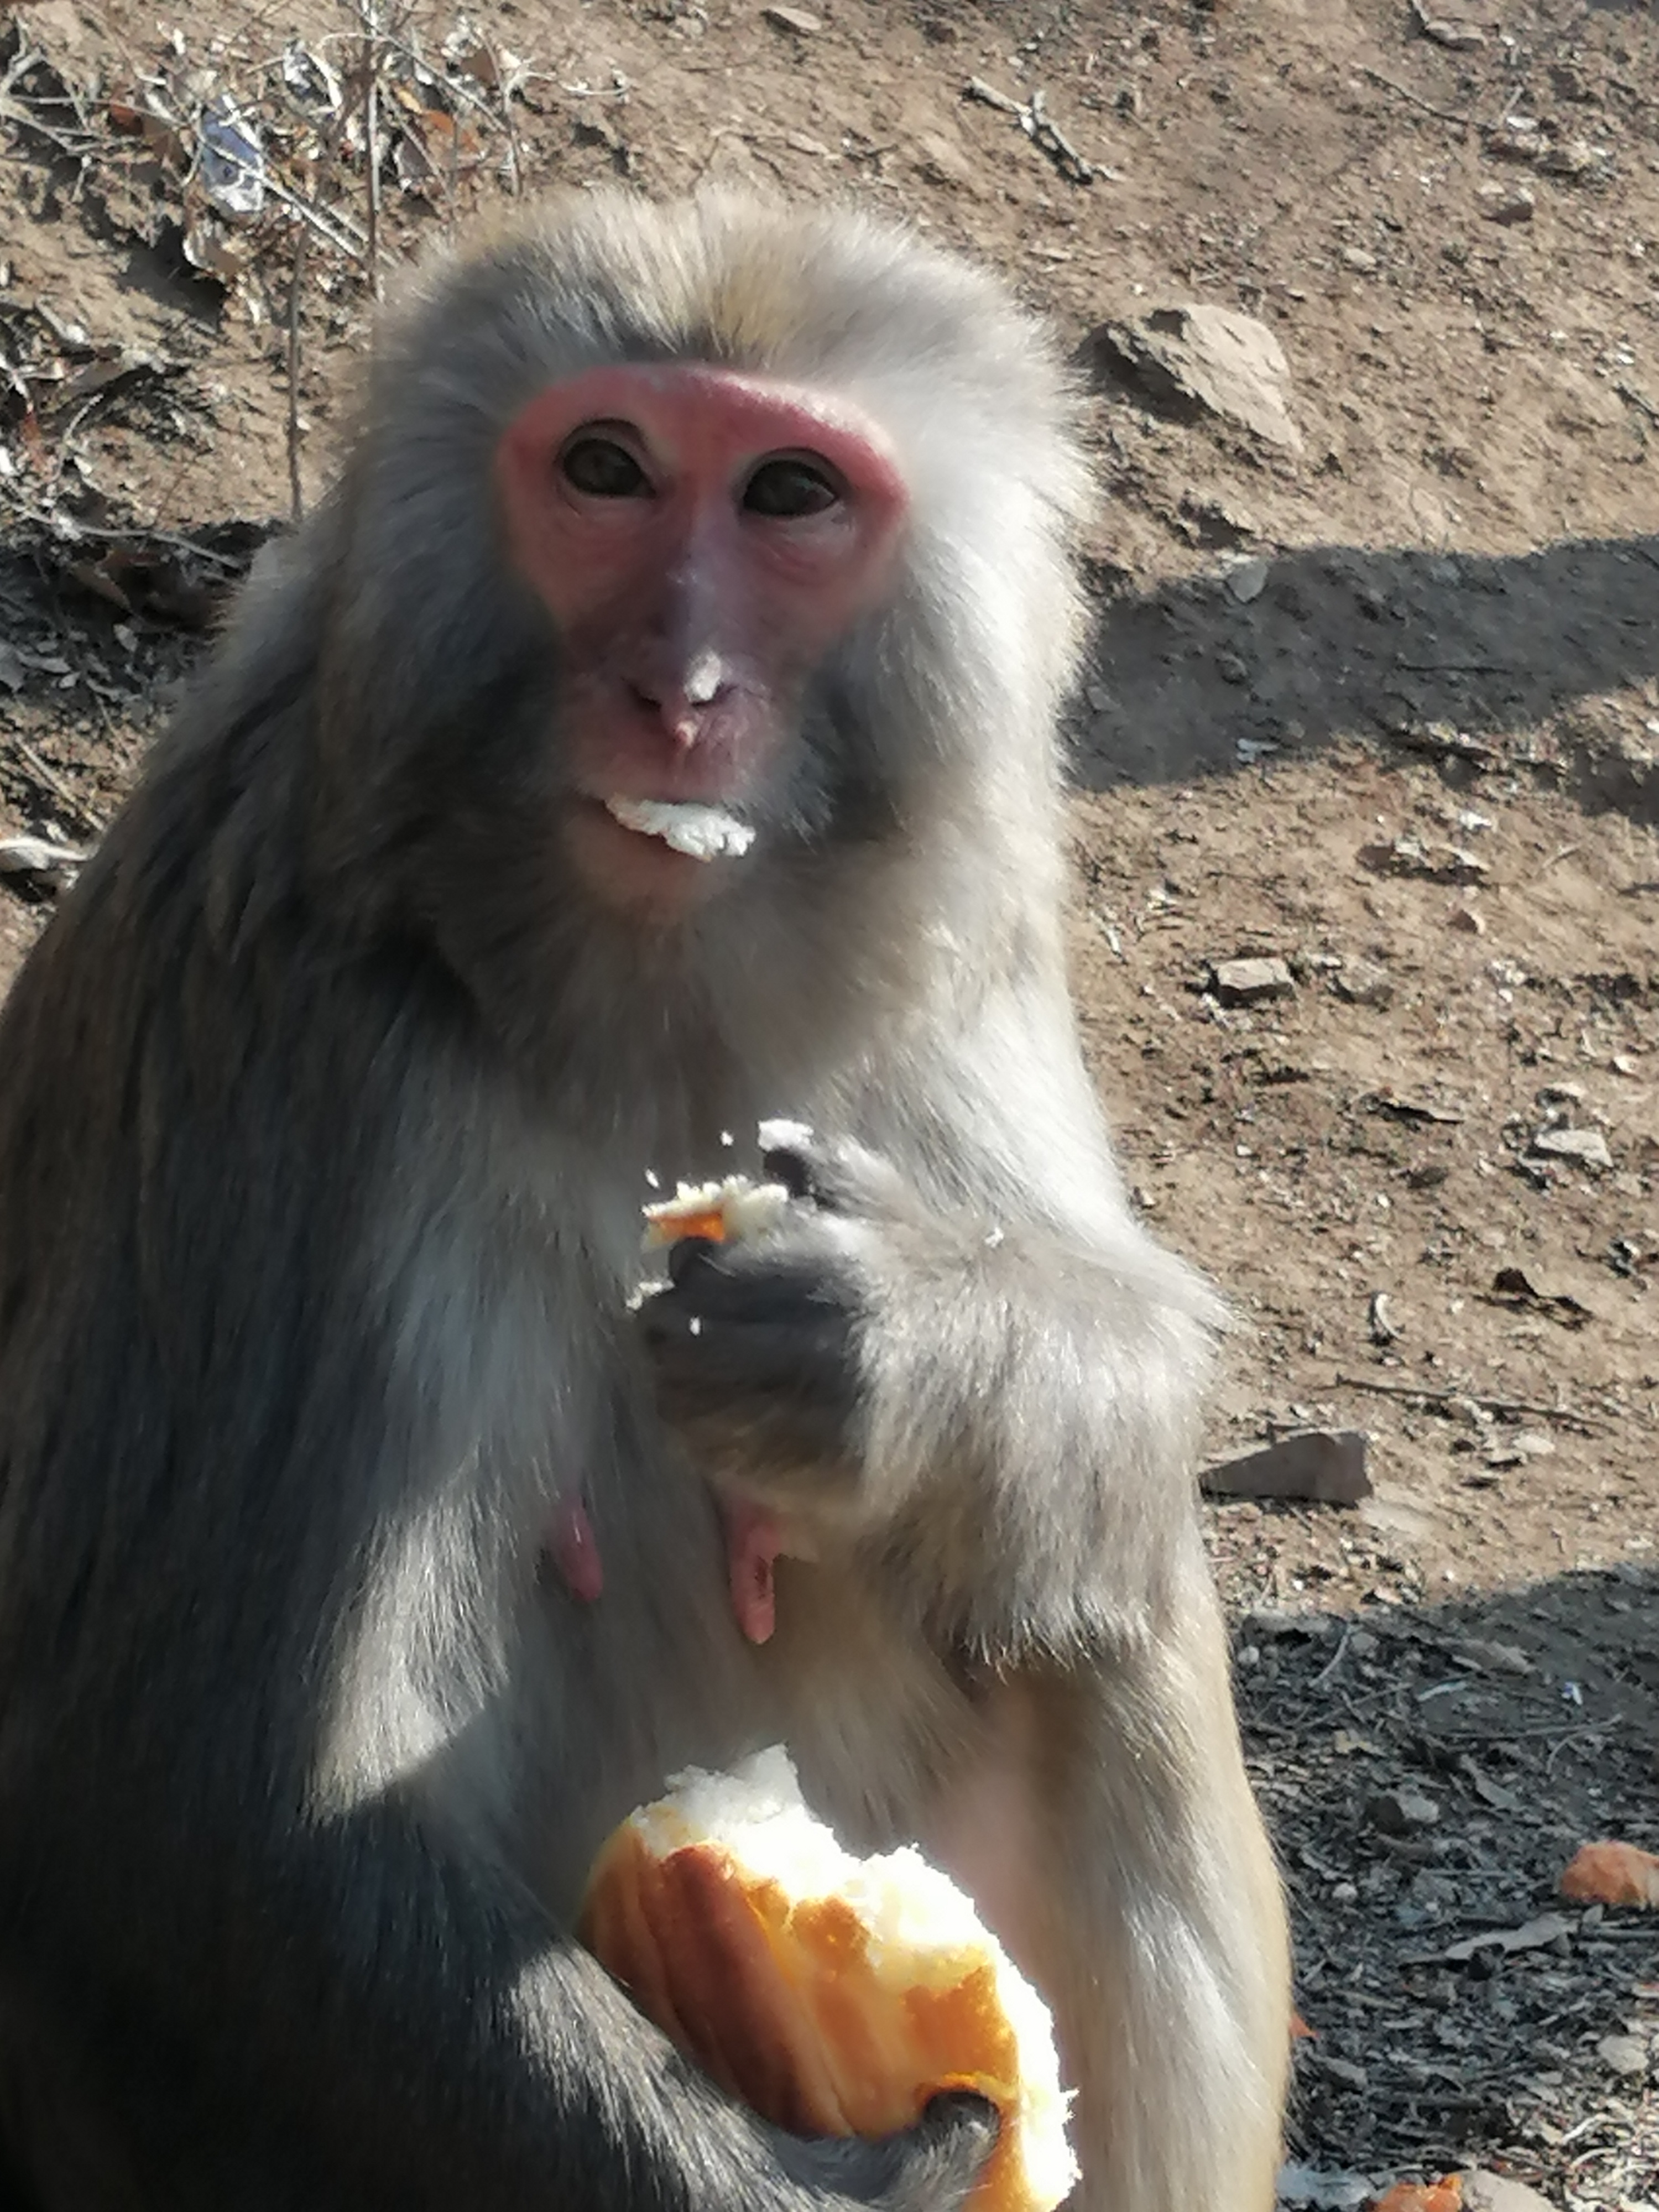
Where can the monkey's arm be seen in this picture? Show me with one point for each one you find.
(261, 1920)
(995, 1377)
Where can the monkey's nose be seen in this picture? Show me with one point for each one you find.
(682, 707)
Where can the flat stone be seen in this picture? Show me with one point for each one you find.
(1626, 2055)
(793, 19)
(1327, 1466)
(1246, 580)
(1512, 208)
(1215, 358)
(1496, 2192)
(1363, 983)
(1324, 2190)
(1244, 982)
(1397, 1812)
(1587, 1147)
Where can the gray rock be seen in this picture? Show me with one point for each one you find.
(1587, 1147)
(1626, 2055)
(1246, 580)
(1363, 983)
(1245, 982)
(1214, 358)
(1398, 1812)
(1512, 208)
(1323, 2190)
(1495, 2192)
(1325, 1465)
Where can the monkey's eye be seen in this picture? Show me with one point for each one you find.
(603, 469)
(790, 487)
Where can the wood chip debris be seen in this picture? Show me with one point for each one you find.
(39, 856)
(1536, 1935)
(1432, 863)
(1040, 127)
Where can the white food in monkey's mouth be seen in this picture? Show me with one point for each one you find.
(705, 833)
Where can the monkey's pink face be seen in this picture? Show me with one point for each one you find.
(701, 539)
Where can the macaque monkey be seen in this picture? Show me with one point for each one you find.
(654, 732)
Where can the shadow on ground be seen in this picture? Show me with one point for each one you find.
(1340, 640)
(1428, 1773)
(1184, 681)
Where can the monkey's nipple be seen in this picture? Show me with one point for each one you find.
(575, 1552)
(753, 1542)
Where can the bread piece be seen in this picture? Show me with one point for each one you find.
(833, 1995)
(703, 832)
(722, 1211)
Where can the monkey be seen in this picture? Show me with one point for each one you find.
(656, 729)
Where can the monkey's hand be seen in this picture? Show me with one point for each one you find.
(757, 1347)
(992, 1411)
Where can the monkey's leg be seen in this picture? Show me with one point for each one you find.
(1168, 1951)
(1110, 1835)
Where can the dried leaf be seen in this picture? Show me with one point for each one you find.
(1533, 1935)
(432, 148)
(1444, 2196)
(1612, 1874)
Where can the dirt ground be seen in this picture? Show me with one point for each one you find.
(1382, 704)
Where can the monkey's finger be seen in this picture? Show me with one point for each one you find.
(685, 1254)
(701, 1365)
(833, 1173)
(935, 2164)
(740, 1285)
(956, 2135)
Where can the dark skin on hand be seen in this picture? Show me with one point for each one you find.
(330, 1093)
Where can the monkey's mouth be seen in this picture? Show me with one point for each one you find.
(687, 825)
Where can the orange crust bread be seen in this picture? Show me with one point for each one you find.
(829, 2013)
(719, 1211)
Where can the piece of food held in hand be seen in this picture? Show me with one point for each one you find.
(722, 1211)
(833, 1995)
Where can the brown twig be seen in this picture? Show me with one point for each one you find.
(452, 180)
(55, 783)
(371, 137)
(514, 158)
(1428, 107)
(54, 525)
(1562, 1413)
(296, 285)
